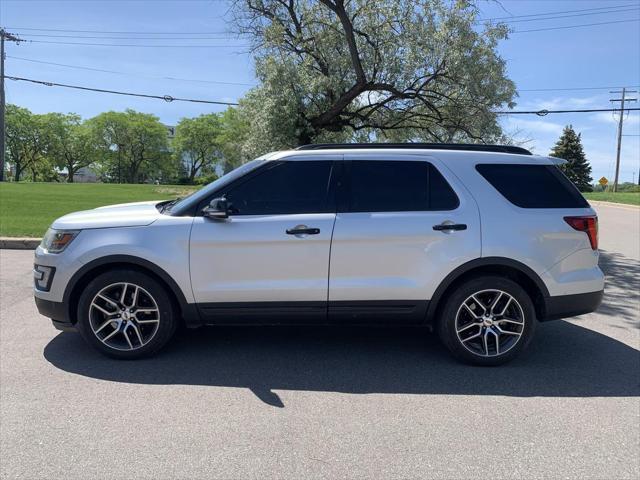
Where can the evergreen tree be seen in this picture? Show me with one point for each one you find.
(577, 168)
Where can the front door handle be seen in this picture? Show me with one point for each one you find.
(303, 230)
(443, 227)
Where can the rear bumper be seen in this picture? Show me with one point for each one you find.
(563, 306)
(57, 312)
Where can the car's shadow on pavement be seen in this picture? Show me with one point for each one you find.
(564, 360)
(622, 287)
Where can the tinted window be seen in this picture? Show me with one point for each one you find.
(533, 186)
(441, 196)
(285, 188)
(397, 186)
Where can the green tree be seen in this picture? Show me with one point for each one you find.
(25, 141)
(69, 142)
(331, 70)
(197, 143)
(234, 131)
(577, 168)
(132, 144)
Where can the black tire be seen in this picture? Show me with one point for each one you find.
(472, 350)
(158, 333)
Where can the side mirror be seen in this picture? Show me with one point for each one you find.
(218, 209)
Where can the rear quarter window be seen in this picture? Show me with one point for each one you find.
(533, 186)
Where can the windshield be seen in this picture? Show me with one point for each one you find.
(201, 194)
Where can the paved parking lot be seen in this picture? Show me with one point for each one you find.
(311, 403)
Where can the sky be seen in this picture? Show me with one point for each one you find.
(553, 68)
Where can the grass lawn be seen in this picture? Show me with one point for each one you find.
(27, 209)
(631, 198)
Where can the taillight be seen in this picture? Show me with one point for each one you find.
(589, 225)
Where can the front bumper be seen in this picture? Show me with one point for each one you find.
(57, 312)
(563, 306)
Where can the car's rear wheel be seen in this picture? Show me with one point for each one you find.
(126, 314)
(487, 320)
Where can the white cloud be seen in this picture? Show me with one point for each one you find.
(563, 103)
(613, 117)
(537, 125)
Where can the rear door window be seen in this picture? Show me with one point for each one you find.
(398, 186)
(533, 186)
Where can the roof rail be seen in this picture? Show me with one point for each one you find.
(474, 147)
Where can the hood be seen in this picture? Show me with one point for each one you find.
(122, 215)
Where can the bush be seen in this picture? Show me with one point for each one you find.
(201, 180)
(205, 179)
(628, 187)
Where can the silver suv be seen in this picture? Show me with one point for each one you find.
(478, 243)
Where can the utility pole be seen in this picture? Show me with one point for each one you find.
(12, 38)
(622, 100)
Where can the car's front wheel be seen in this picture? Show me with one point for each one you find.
(487, 320)
(126, 314)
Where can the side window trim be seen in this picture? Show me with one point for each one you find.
(343, 190)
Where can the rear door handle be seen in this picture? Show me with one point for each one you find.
(302, 230)
(450, 226)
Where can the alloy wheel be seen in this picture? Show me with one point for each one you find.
(489, 323)
(124, 316)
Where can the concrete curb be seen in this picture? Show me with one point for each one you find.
(19, 243)
(627, 206)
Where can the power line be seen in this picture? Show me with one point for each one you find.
(170, 98)
(166, 98)
(132, 74)
(580, 10)
(509, 19)
(192, 37)
(129, 32)
(137, 45)
(93, 69)
(173, 37)
(120, 1)
(576, 26)
(569, 16)
(564, 27)
(124, 38)
(512, 17)
(135, 74)
(544, 112)
(566, 89)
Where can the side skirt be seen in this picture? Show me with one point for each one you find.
(374, 312)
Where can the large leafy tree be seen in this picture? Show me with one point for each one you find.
(197, 143)
(332, 69)
(234, 132)
(577, 168)
(69, 143)
(133, 144)
(25, 140)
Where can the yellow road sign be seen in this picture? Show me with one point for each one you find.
(603, 181)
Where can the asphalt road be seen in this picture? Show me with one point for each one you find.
(317, 403)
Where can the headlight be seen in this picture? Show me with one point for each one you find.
(55, 241)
